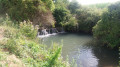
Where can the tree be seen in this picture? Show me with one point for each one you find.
(73, 6)
(86, 19)
(107, 29)
(61, 16)
(49, 4)
(71, 25)
(37, 11)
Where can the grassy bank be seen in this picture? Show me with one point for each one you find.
(20, 43)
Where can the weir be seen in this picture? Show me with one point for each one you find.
(47, 32)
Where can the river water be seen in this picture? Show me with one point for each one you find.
(80, 47)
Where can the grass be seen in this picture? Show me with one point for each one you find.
(21, 41)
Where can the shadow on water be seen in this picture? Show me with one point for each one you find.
(81, 48)
(107, 57)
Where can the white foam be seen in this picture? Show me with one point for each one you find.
(47, 35)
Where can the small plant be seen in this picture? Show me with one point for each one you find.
(13, 47)
(7, 21)
(54, 58)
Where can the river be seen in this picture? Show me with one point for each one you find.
(80, 47)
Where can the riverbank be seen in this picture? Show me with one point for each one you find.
(19, 42)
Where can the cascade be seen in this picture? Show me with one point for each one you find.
(47, 32)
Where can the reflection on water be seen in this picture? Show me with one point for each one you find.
(85, 58)
(77, 47)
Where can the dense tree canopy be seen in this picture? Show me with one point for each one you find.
(87, 19)
(107, 29)
(73, 6)
(33, 10)
(61, 12)
(49, 4)
(84, 18)
(61, 15)
(100, 5)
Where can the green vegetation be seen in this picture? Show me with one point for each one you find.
(28, 30)
(103, 17)
(19, 29)
(73, 6)
(61, 15)
(100, 5)
(108, 28)
(75, 17)
(87, 19)
(28, 10)
(22, 42)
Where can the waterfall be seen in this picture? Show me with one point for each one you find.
(47, 32)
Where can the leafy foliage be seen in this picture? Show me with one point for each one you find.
(49, 4)
(24, 44)
(71, 25)
(21, 10)
(53, 59)
(74, 17)
(73, 6)
(108, 28)
(61, 15)
(18, 10)
(86, 20)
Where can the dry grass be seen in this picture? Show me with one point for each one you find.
(44, 19)
(12, 61)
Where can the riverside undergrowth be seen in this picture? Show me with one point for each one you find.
(20, 40)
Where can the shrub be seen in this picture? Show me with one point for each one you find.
(54, 58)
(13, 47)
(27, 29)
(6, 21)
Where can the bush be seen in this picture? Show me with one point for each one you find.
(13, 47)
(27, 29)
(6, 21)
